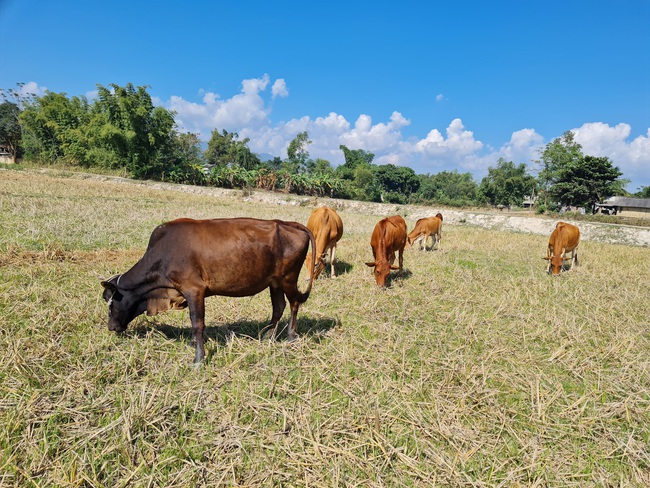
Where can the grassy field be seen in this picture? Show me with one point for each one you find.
(475, 368)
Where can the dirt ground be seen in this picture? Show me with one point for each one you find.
(506, 221)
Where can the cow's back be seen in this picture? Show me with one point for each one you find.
(232, 257)
(565, 236)
(390, 234)
(326, 226)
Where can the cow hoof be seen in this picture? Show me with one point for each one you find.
(267, 336)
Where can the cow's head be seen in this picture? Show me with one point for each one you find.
(382, 270)
(123, 305)
(320, 264)
(556, 262)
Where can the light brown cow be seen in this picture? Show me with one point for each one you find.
(429, 226)
(388, 237)
(565, 238)
(327, 227)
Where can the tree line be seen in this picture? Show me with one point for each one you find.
(122, 130)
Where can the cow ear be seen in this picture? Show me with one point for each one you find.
(547, 258)
(371, 265)
(392, 266)
(109, 285)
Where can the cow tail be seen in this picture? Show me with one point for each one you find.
(302, 297)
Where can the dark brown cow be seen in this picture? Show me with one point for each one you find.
(188, 260)
(429, 226)
(565, 238)
(388, 237)
(327, 227)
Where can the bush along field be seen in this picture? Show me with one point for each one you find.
(473, 368)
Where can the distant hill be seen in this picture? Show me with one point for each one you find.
(265, 157)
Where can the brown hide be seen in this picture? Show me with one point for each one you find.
(430, 226)
(327, 227)
(388, 237)
(564, 239)
(188, 260)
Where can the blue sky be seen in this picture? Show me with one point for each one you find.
(431, 85)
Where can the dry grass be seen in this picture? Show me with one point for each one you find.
(473, 369)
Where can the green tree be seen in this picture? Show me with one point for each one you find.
(353, 158)
(507, 184)
(364, 185)
(357, 176)
(449, 188)
(225, 149)
(586, 181)
(323, 166)
(397, 183)
(297, 154)
(644, 192)
(10, 130)
(244, 157)
(129, 128)
(557, 154)
(220, 148)
(53, 128)
(182, 159)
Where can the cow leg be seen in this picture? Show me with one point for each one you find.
(332, 254)
(279, 304)
(196, 305)
(290, 289)
(401, 259)
(292, 335)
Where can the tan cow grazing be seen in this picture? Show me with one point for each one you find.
(327, 227)
(565, 238)
(388, 237)
(429, 226)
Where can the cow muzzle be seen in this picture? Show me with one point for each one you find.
(115, 326)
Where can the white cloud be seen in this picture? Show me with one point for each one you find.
(523, 147)
(631, 156)
(380, 137)
(29, 89)
(244, 110)
(248, 113)
(32, 88)
(279, 88)
(459, 142)
(440, 97)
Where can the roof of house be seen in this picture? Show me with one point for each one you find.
(626, 202)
